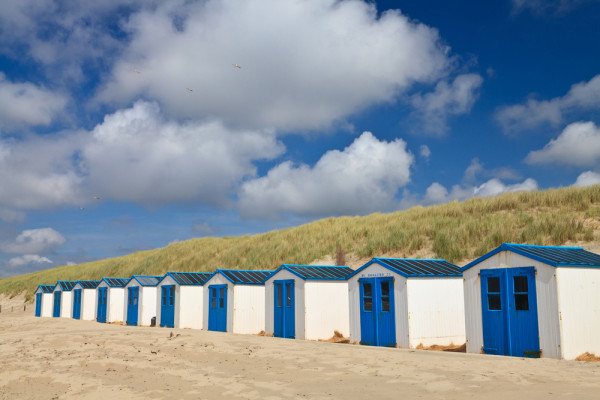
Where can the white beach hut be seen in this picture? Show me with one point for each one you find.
(307, 302)
(179, 300)
(84, 300)
(43, 301)
(533, 301)
(111, 300)
(140, 300)
(63, 299)
(235, 301)
(406, 303)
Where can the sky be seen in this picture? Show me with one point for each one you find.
(127, 125)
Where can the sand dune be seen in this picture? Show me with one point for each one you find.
(63, 359)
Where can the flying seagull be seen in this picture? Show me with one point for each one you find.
(136, 71)
(188, 89)
(237, 66)
(96, 197)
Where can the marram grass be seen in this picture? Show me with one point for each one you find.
(455, 231)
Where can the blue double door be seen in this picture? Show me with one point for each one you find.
(102, 300)
(38, 304)
(57, 300)
(377, 315)
(284, 314)
(167, 306)
(509, 312)
(217, 310)
(133, 295)
(77, 304)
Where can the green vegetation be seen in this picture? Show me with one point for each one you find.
(454, 231)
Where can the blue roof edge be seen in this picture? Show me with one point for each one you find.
(306, 278)
(170, 273)
(241, 270)
(375, 260)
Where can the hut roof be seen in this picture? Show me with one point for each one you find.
(317, 272)
(245, 277)
(410, 267)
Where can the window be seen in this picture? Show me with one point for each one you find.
(279, 289)
(494, 303)
(288, 294)
(521, 293)
(367, 297)
(385, 296)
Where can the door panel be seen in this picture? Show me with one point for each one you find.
(377, 312)
(101, 309)
(217, 308)
(38, 304)
(132, 305)
(167, 306)
(77, 304)
(57, 298)
(494, 315)
(284, 309)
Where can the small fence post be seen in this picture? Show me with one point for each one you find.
(24, 307)
(0, 308)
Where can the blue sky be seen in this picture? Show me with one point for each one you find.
(127, 125)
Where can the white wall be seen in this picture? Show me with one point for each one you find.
(115, 299)
(47, 302)
(400, 303)
(436, 311)
(66, 305)
(299, 302)
(189, 304)
(547, 301)
(147, 305)
(579, 302)
(248, 309)
(326, 305)
(89, 300)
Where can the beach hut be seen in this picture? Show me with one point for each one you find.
(307, 302)
(235, 301)
(401, 302)
(63, 299)
(84, 300)
(43, 301)
(533, 301)
(140, 300)
(179, 299)
(111, 300)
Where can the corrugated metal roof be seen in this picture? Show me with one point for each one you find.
(318, 272)
(146, 280)
(190, 278)
(116, 282)
(66, 286)
(552, 255)
(245, 277)
(89, 284)
(410, 267)
(46, 288)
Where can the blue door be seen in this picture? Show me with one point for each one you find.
(132, 305)
(167, 306)
(38, 304)
(284, 313)
(217, 310)
(102, 297)
(377, 315)
(509, 312)
(57, 297)
(77, 304)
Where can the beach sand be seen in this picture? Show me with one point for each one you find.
(45, 358)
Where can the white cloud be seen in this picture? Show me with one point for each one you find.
(587, 178)
(581, 96)
(32, 241)
(137, 155)
(436, 193)
(578, 144)
(541, 7)
(447, 99)
(425, 152)
(362, 178)
(203, 228)
(494, 187)
(25, 104)
(28, 259)
(304, 64)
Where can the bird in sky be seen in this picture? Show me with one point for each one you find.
(237, 66)
(188, 89)
(96, 197)
(136, 71)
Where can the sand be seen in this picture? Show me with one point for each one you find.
(45, 358)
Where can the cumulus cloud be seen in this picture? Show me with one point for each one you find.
(28, 259)
(541, 7)
(304, 65)
(578, 144)
(587, 178)
(425, 152)
(137, 155)
(581, 96)
(494, 187)
(203, 228)
(436, 193)
(447, 99)
(476, 171)
(31, 241)
(362, 178)
(25, 104)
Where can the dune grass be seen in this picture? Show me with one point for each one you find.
(455, 231)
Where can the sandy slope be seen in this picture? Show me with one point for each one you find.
(62, 358)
